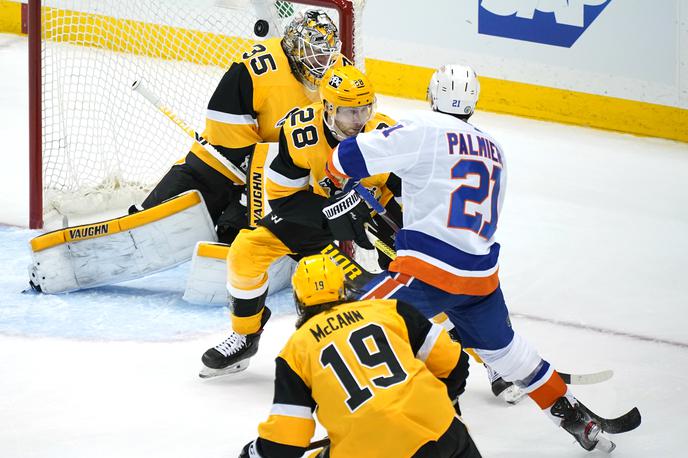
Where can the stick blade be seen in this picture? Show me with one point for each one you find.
(626, 422)
(587, 379)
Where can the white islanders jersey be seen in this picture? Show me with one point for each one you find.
(453, 183)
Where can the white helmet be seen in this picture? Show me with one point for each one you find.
(454, 89)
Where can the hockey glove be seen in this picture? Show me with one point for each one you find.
(346, 215)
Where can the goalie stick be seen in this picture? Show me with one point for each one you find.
(141, 88)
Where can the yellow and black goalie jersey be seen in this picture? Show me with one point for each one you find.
(250, 104)
(296, 184)
(377, 374)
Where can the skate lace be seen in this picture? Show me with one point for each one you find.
(232, 344)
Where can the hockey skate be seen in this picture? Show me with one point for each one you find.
(233, 354)
(507, 391)
(586, 427)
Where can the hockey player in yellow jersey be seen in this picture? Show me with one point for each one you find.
(298, 192)
(381, 376)
(255, 96)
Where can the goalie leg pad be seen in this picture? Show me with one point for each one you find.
(207, 281)
(120, 249)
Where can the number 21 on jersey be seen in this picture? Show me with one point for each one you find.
(487, 190)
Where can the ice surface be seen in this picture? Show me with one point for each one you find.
(593, 235)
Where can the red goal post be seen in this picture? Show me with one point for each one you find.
(94, 146)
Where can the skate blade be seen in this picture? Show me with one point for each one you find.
(207, 372)
(605, 445)
(512, 395)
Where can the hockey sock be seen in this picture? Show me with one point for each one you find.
(546, 394)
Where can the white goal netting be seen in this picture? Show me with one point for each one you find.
(103, 146)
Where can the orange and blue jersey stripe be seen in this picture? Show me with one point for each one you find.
(444, 266)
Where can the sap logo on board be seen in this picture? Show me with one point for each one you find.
(551, 22)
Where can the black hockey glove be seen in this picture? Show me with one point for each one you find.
(249, 451)
(346, 215)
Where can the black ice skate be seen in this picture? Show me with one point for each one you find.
(585, 426)
(233, 354)
(509, 392)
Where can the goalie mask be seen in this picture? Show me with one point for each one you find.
(348, 100)
(454, 89)
(317, 280)
(312, 45)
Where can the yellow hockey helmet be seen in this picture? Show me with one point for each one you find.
(311, 43)
(317, 280)
(348, 99)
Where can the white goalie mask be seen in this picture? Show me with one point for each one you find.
(454, 89)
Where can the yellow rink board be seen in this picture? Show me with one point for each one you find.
(390, 78)
(541, 102)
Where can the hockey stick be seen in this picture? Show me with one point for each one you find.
(626, 422)
(379, 244)
(586, 379)
(357, 277)
(569, 379)
(375, 205)
(319, 443)
(142, 89)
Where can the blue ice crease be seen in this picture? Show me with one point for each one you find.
(147, 309)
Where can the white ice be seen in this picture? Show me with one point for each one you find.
(594, 241)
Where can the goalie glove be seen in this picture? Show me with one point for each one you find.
(347, 215)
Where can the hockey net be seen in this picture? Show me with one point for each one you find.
(100, 147)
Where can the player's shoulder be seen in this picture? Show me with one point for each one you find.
(384, 307)
(304, 116)
(272, 46)
(427, 120)
(345, 315)
(303, 129)
(379, 121)
(267, 63)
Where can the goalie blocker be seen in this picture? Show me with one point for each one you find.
(120, 249)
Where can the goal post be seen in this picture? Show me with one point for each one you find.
(94, 146)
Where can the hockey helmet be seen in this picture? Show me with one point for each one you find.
(454, 89)
(348, 99)
(317, 280)
(312, 45)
